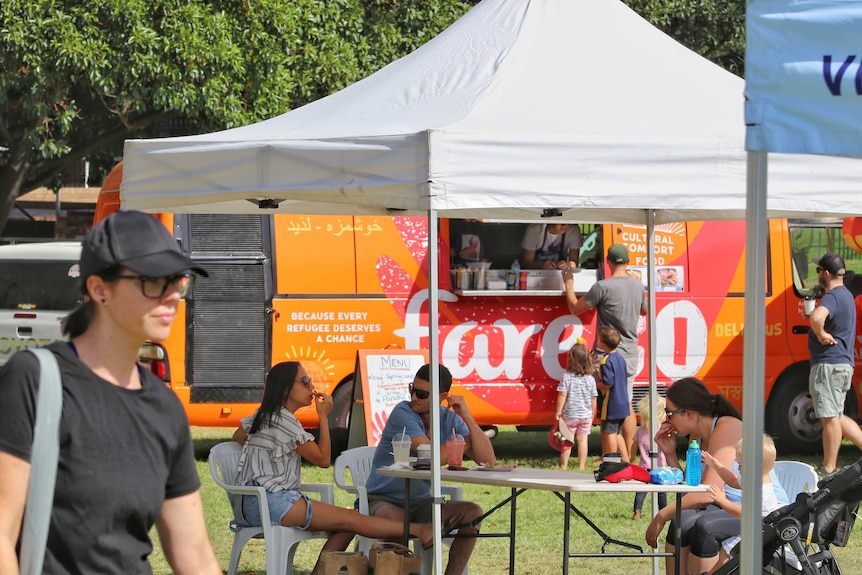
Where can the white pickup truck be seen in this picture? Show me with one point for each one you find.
(38, 288)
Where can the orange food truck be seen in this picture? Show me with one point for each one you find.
(318, 288)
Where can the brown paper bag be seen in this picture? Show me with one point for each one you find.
(343, 563)
(393, 559)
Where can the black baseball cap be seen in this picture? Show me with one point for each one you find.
(137, 241)
(833, 263)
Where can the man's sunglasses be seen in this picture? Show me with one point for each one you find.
(419, 393)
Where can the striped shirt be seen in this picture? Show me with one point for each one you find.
(269, 456)
(580, 390)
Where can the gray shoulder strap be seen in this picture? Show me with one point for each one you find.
(43, 464)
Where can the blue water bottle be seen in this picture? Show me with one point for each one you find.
(692, 464)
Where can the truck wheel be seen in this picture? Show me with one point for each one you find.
(790, 418)
(339, 417)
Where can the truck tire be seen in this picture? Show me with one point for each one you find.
(339, 417)
(790, 418)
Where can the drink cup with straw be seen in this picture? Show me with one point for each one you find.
(455, 447)
(401, 447)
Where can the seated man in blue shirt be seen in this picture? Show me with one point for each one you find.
(386, 494)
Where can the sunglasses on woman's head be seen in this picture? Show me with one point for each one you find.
(419, 393)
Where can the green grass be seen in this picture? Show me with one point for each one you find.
(540, 517)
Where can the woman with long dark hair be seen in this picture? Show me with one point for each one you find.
(275, 444)
(716, 424)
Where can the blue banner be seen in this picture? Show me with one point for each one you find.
(803, 76)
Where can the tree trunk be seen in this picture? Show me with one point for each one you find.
(12, 177)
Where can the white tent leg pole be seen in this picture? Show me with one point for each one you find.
(754, 339)
(651, 354)
(433, 346)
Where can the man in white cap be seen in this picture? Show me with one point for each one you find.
(619, 301)
(830, 349)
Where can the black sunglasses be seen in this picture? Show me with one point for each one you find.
(419, 393)
(156, 288)
(671, 412)
(819, 269)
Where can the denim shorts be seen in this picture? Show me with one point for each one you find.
(279, 504)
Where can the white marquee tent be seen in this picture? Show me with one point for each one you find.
(519, 107)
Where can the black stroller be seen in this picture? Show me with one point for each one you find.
(797, 538)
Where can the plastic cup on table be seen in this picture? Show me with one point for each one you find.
(401, 448)
(455, 447)
(424, 451)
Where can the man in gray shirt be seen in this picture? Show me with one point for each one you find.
(619, 301)
(830, 349)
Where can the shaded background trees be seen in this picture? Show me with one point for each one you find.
(79, 77)
(715, 29)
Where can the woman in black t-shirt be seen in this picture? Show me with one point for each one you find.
(126, 460)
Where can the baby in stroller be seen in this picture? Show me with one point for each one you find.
(797, 537)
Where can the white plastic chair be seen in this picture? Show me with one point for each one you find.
(357, 462)
(796, 477)
(280, 541)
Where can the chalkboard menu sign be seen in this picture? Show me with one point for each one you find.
(383, 376)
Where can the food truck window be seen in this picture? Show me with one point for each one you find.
(500, 243)
(495, 242)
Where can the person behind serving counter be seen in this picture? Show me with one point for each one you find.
(466, 242)
(550, 246)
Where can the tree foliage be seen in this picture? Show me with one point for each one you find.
(80, 76)
(715, 29)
